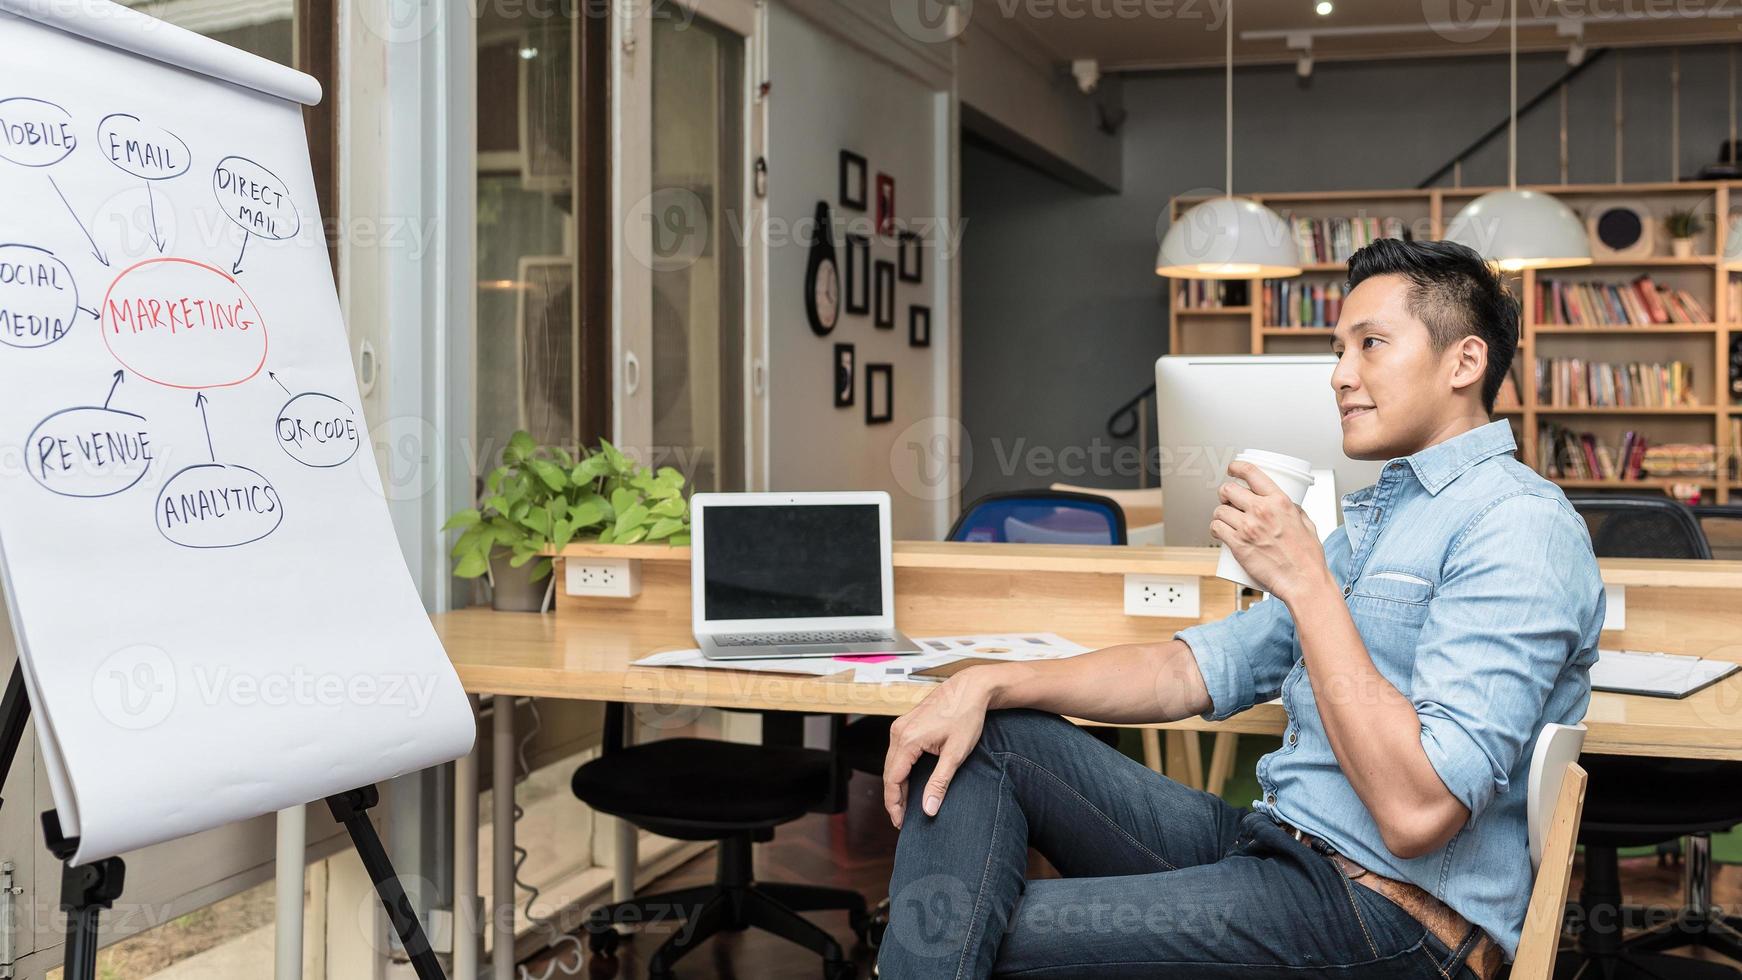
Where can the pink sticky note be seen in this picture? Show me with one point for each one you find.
(869, 658)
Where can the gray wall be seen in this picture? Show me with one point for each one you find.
(1062, 314)
(835, 96)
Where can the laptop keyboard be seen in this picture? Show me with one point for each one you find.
(802, 638)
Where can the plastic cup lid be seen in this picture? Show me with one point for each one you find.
(1265, 459)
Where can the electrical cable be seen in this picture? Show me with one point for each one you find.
(524, 770)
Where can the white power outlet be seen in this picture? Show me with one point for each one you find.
(612, 578)
(1172, 596)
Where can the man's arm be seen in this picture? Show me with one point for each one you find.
(1133, 683)
(1374, 730)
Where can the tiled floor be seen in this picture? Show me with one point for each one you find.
(854, 850)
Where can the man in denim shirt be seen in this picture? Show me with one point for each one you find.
(1418, 651)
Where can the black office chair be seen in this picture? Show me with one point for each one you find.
(1722, 524)
(736, 794)
(1635, 802)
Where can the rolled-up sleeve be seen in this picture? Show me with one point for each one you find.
(1519, 599)
(1244, 657)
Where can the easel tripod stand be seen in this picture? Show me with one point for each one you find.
(88, 889)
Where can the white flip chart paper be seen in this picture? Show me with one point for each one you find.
(213, 613)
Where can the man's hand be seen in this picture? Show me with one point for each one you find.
(1268, 533)
(947, 724)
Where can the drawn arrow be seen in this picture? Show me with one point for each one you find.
(119, 377)
(280, 383)
(236, 267)
(63, 199)
(94, 314)
(200, 401)
(156, 236)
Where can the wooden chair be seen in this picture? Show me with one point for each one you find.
(1556, 800)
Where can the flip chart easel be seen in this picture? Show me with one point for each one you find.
(213, 615)
(87, 889)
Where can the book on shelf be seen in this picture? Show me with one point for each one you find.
(1736, 359)
(1506, 399)
(1335, 239)
(1566, 454)
(1209, 294)
(1294, 303)
(1736, 447)
(1573, 382)
(1636, 303)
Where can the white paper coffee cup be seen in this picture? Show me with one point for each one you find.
(1293, 474)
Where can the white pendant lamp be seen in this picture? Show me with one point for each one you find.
(1228, 237)
(1520, 229)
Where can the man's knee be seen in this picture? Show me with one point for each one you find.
(1022, 729)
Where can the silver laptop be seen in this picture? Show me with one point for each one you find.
(792, 575)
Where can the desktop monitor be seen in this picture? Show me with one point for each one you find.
(1210, 407)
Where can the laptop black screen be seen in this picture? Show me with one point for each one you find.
(789, 562)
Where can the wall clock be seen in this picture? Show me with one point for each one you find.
(822, 277)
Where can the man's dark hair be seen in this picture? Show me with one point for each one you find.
(1454, 292)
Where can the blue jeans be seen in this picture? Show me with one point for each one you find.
(1159, 880)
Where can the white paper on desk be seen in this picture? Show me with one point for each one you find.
(1002, 646)
(1656, 674)
(814, 666)
(211, 607)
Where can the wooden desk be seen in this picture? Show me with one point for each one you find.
(522, 654)
(584, 652)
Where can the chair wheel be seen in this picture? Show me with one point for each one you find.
(603, 942)
(870, 926)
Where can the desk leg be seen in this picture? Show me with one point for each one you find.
(502, 840)
(292, 844)
(467, 937)
(627, 840)
(1222, 762)
(628, 855)
(1152, 748)
(1182, 753)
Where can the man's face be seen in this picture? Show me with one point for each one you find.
(1394, 391)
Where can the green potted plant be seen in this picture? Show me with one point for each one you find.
(543, 497)
(1682, 227)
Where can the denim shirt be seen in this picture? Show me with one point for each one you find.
(1473, 585)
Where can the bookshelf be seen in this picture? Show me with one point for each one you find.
(1247, 328)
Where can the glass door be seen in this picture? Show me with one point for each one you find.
(696, 252)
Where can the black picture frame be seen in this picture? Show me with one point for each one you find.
(857, 294)
(908, 263)
(846, 375)
(883, 290)
(879, 393)
(885, 205)
(854, 175)
(919, 326)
